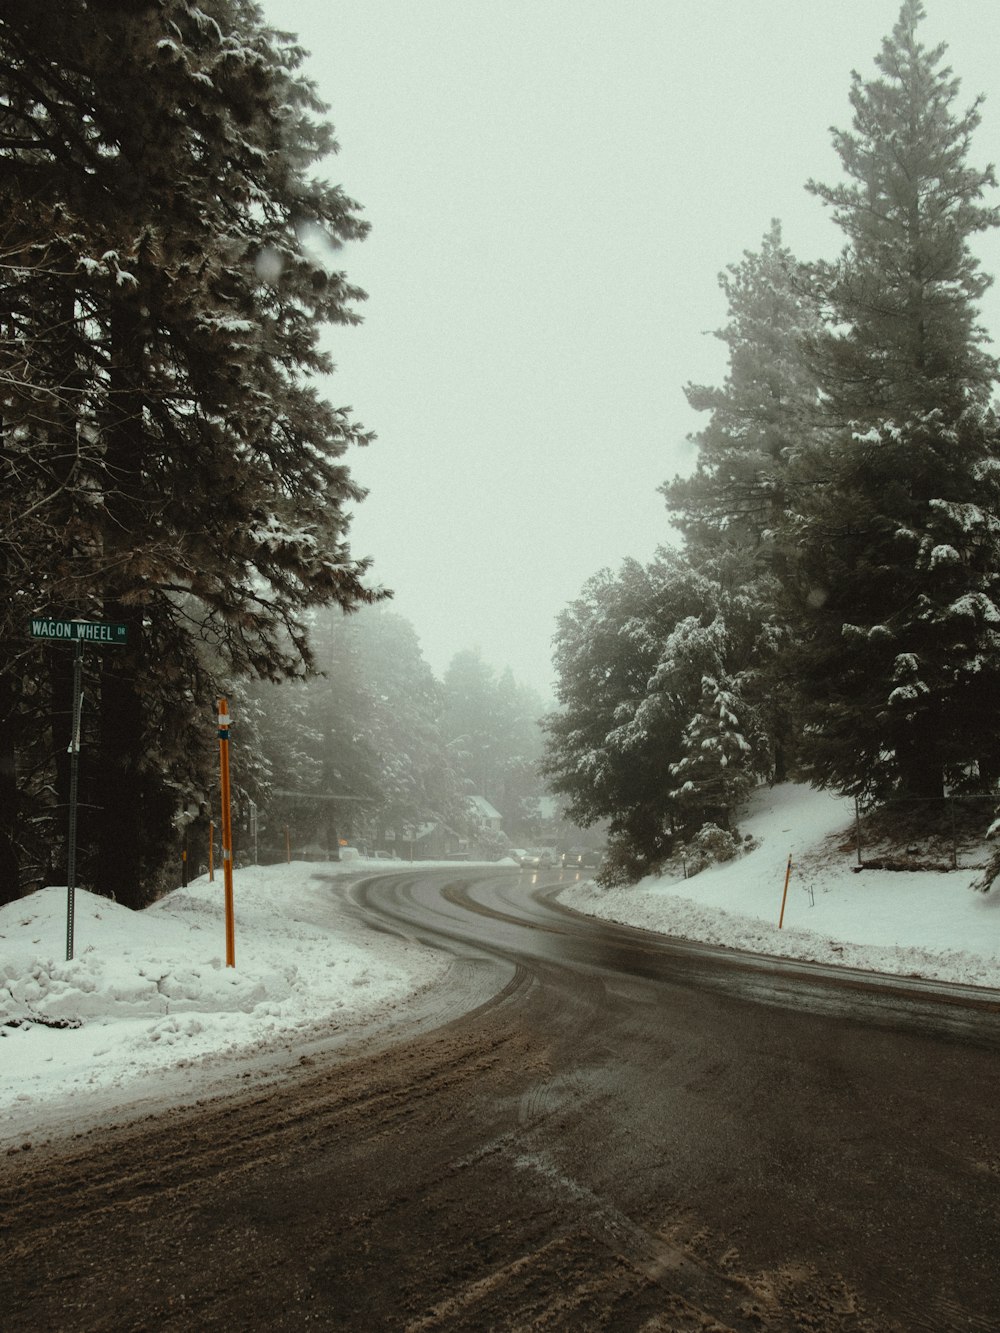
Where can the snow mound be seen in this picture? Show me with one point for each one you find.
(922, 923)
(150, 990)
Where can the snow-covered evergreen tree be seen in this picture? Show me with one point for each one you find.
(735, 497)
(472, 724)
(632, 653)
(733, 509)
(893, 593)
(418, 778)
(519, 712)
(715, 771)
(359, 747)
(842, 521)
(902, 336)
(162, 213)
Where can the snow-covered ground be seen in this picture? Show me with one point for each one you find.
(912, 923)
(147, 994)
(149, 1006)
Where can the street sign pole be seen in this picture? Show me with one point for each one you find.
(227, 832)
(100, 634)
(74, 794)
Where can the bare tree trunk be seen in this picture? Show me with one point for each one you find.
(120, 775)
(10, 879)
(920, 767)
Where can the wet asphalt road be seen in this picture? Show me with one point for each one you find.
(590, 1127)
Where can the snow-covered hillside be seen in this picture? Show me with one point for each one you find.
(914, 923)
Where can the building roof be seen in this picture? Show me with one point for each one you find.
(482, 807)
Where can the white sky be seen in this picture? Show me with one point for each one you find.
(554, 186)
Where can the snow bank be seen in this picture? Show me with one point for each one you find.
(914, 923)
(150, 990)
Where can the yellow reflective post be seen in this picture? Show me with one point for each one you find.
(227, 832)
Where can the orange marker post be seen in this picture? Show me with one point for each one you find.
(227, 832)
(788, 875)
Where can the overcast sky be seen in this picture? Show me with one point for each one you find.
(554, 186)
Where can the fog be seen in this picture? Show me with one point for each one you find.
(553, 190)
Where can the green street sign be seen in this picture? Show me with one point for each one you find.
(78, 631)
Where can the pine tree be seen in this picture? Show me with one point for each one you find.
(630, 654)
(158, 161)
(733, 509)
(893, 594)
(897, 607)
(491, 727)
(418, 780)
(736, 497)
(902, 337)
(715, 771)
(358, 747)
(519, 711)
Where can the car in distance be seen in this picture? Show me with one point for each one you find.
(540, 858)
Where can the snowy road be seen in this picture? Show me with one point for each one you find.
(520, 920)
(621, 1133)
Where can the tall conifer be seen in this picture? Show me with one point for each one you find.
(894, 594)
(735, 498)
(159, 160)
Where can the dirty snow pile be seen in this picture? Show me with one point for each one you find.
(149, 991)
(912, 923)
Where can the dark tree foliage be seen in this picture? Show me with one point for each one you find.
(669, 674)
(895, 604)
(736, 498)
(734, 509)
(641, 657)
(166, 460)
(903, 337)
(893, 596)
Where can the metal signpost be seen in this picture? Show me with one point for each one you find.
(77, 632)
(225, 720)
